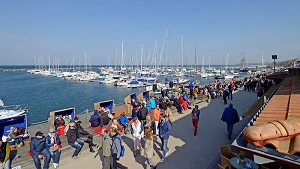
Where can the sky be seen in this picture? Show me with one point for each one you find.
(68, 29)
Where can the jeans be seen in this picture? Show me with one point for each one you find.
(37, 161)
(156, 127)
(225, 100)
(164, 147)
(7, 165)
(137, 142)
(77, 147)
(195, 124)
(229, 130)
(106, 162)
(55, 155)
(114, 164)
(230, 93)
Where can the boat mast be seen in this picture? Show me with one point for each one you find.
(262, 61)
(167, 38)
(116, 58)
(182, 54)
(122, 56)
(85, 61)
(226, 68)
(142, 58)
(195, 58)
(35, 61)
(49, 62)
(202, 69)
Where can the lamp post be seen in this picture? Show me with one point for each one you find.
(274, 57)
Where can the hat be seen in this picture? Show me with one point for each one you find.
(52, 131)
(39, 133)
(110, 116)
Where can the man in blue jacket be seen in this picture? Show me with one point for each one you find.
(230, 116)
(164, 133)
(95, 119)
(38, 149)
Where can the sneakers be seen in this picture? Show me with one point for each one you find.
(162, 160)
(92, 150)
(55, 165)
(135, 154)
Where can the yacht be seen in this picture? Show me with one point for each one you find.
(11, 111)
(134, 84)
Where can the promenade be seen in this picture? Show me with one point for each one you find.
(186, 150)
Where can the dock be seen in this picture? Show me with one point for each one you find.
(20, 155)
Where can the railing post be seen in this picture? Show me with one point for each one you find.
(86, 115)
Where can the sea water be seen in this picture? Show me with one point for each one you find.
(44, 94)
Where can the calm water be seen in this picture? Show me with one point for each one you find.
(43, 94)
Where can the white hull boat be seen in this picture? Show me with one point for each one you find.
(11, 111)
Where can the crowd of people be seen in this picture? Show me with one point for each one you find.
(150, 119)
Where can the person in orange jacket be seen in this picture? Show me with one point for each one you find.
(156, 116)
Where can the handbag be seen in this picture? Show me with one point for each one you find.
(54, 148)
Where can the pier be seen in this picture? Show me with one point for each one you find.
(185, 149)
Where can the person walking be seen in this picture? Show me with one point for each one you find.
(52, 143)
(150, 123)
(191, 87)
(137, 132)
(116, 149)
(73, 139)
(164, 133)
(230, 88)
(225, 94)
(105, 145)
(142, 114)
(230, 116)
(156, 115)
(4, 155)
(149, 150)
(39, 151)
(195, 118)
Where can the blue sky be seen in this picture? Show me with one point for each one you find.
(64, 29)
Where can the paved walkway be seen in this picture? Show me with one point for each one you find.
(186, 150)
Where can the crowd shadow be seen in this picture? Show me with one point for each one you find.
(200, 151)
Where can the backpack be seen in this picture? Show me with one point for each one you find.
(122, 147)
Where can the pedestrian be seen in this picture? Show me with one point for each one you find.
(4, 155)
(105, 145)
(85, 136)
(149, 150)
(164, 133)
(137, 132)
(73, 139)
(116, 149)
(191, 87)
(39, 150)
(195, 118)
(52, 143)
(230, 88)
(225, 94)
(230, 116)
(156, 115)
(150, 123)
(142, 114)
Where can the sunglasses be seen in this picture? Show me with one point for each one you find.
(72, 126)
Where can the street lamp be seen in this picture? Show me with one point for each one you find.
(274, 57)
